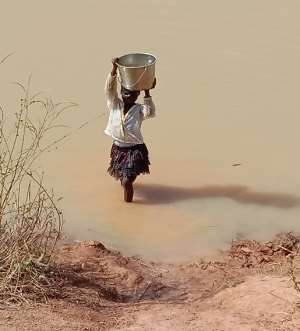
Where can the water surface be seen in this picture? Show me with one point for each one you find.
(228, 78)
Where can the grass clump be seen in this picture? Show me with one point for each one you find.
(30, 221)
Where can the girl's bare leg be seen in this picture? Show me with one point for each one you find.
(128, 188)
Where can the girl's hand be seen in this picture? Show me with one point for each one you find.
(114, 61)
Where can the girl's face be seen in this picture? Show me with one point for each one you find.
(129, 97)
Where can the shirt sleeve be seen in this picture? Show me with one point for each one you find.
(148, 108)
(110, 89)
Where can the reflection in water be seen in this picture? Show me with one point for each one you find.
(162, 194)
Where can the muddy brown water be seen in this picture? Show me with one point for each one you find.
(224, 144)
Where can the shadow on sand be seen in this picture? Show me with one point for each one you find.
(156, 194)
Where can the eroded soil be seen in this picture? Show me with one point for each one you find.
(251, 287)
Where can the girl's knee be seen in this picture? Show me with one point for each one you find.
(128, 179)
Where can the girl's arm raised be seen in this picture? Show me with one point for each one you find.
(111, 93)
(148, 108)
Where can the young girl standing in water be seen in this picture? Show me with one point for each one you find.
(129, 154)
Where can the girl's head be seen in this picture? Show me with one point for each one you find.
(129, 97)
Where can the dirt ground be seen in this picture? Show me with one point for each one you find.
(252, 287)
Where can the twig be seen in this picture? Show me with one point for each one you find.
(287, 250)
(144, 291)
(6, 57)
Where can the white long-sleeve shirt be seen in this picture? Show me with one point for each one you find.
(125, 129)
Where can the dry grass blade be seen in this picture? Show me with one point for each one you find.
(6, 57)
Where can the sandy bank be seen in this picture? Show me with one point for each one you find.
(251, 287)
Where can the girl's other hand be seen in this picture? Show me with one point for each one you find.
(154, 83)
(147, 92)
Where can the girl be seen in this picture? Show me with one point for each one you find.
(129, 154)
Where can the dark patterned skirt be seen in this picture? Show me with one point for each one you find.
(128, 161)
